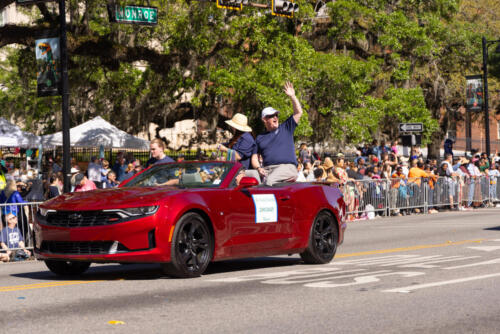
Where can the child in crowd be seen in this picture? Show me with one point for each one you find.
(12, 238)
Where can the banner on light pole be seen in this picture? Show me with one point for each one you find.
(474, 93)
(48, 66)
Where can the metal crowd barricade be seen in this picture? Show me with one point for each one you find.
(365, 196)
(496, 187)
(447, 191)
(392, 196)
(485, 190)
(407, 194)
(25, 213)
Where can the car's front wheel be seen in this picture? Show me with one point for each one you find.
(323, 240)
(67, 268)
(192, 247)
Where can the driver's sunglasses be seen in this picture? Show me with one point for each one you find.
(271, 116)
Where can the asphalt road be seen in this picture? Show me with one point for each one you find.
(415, 274)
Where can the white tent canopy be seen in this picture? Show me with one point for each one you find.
(12, 136)
(95, 133)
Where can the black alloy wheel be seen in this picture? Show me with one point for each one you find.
(67, 268)
(192, 247)
(322, 240)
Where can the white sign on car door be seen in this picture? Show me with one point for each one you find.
(266, 208)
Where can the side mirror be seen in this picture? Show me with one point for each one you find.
(247, 182)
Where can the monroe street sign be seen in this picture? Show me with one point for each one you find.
(411, 127)
(133, 14)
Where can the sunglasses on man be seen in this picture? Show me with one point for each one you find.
(271, 116)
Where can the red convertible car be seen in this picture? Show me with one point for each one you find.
(185, 215)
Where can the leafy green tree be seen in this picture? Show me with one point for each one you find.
(374, 64)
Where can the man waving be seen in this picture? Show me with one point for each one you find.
(276, 146)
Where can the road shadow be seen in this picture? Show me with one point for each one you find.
(251, 263)
(133, 271)
(496, 228)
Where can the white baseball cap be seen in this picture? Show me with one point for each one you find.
(267, 111)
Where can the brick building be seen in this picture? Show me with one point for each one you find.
(478, 139)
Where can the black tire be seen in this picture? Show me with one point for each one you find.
(67, 268)
(192, 247)
(323, 240)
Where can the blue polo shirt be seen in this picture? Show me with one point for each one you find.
(245, 146)
(277, 147)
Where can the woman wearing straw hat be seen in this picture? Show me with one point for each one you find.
(242, 144)
(328, 167)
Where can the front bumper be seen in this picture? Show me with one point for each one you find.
(135, 241)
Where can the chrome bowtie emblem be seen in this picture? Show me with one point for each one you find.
(75, 216)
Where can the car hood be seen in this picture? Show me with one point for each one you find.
(110, 198)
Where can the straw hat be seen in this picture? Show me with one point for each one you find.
(239, 122)
(328, 163)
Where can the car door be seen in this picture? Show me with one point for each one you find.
(260, 219)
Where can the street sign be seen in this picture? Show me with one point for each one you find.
(411, 127)
(133, 14)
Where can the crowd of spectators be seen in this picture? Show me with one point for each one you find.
(21, 184)
(379, 170)
(375, 174)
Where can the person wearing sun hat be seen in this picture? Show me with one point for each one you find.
(328, 167)
(242, 145)
(276, 146)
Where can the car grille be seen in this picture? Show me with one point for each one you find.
(82, 218)
(76, 247)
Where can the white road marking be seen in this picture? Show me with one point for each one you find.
(365, 279)
(430, 264)
(406, 261)
(376, 260)
(494, 261)
(486, 248)
(408, 289)
(311, 278)
(282, 274)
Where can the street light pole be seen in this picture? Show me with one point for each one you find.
(485, 97)
(65, 98)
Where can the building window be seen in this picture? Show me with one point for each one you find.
(498, 129)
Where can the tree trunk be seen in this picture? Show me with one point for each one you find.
(433, 148)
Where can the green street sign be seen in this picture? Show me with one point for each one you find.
(133, 14)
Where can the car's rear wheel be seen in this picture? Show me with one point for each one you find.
(323, 240)
(67, 268)
(192, 247)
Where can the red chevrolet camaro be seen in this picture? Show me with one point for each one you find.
(185, 215)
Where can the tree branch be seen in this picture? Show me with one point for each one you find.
(5, 3)
(14, 34)
(45, 12)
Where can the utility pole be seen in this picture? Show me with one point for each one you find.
(485, 85)
(65, 98)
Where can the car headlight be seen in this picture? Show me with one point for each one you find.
(44, 212)
(141, 211)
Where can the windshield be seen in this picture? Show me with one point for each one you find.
(184, 174)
